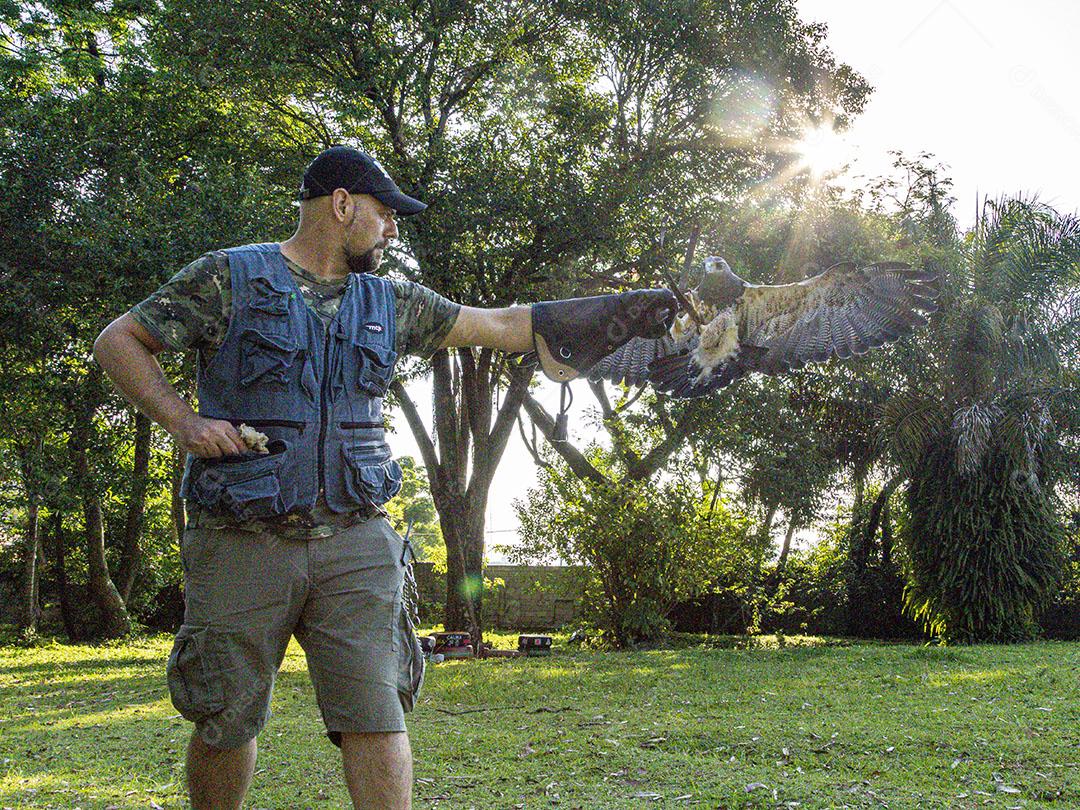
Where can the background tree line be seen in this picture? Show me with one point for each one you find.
(564, 148)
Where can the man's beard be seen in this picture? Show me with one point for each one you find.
(362, 262)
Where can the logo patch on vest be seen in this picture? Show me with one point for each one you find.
(373, 326)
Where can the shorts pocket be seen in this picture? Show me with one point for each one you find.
(193, 680)
(371, 478)
(411, 664)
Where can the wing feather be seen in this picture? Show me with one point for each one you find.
(629, 363)
(844, 311)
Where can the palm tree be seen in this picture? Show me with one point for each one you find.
(982, 442)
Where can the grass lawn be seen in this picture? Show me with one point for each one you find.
(804, 726)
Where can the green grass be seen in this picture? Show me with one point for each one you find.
(800, 726)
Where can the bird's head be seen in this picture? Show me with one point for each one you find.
(719, 286)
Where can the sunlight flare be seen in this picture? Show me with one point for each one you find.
(824, 152)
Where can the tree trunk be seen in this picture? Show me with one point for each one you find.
(785, 549)
(36, 596)
(471, 436)
(136, 510)
(71, 627)
(29, 609)
(113, 620)
(764, 539)
(176, 504)
(878, 511)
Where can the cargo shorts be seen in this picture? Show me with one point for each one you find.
(247, 592)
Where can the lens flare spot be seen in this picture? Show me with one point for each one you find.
(472, 586)
(743, 107)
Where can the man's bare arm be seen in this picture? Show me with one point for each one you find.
(509, 329)
(125, 349)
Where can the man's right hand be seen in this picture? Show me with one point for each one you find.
(208, 438)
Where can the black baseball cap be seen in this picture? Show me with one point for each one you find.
(358, 173)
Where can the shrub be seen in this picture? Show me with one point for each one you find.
(644, 546)
(984, 549)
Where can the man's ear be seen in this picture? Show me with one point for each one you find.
(340, 200)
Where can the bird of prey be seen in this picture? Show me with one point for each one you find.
(730, 327)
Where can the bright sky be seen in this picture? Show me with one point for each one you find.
(989, 89)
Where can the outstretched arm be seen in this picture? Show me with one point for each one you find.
(569, 336)
(509, 329)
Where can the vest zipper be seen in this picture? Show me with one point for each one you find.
(255, 423)
(322, 410)
(360, 425)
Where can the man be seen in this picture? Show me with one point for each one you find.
(299, 341)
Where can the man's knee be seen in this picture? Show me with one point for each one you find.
(390, 747)
(209, 751)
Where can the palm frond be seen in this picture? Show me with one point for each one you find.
(910, 423)
(973, 430)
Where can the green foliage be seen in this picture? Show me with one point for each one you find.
(413, 505)
(1061, 618)
(987, 442)
(810, 593)
(645, 545)
(985, 548)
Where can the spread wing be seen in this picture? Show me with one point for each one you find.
(677, 375)
(630, 362)
(845, 311)
(665, 364)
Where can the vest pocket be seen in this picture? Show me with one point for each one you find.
(374, 366)
(266, 357)
(371, 479)
(267, 298)
(242, 487)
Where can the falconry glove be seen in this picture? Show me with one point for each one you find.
(573, 335)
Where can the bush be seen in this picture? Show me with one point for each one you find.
(985, 549)
(809, 595)
(644, 546)
(1061, 618)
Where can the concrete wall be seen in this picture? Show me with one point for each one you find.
(534, 597)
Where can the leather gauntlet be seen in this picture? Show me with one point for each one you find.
(571, 336)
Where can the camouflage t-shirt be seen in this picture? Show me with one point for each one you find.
(191, 311)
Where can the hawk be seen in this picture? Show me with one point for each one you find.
(730, 327)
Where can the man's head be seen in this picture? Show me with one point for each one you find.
(353, 202)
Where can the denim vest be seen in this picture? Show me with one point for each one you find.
(316, 393)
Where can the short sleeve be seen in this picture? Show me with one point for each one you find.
(191, 309)
(424, 318)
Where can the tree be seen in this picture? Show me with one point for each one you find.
(643, 544)
(531, 128)
(983, 446)
(114, 184)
